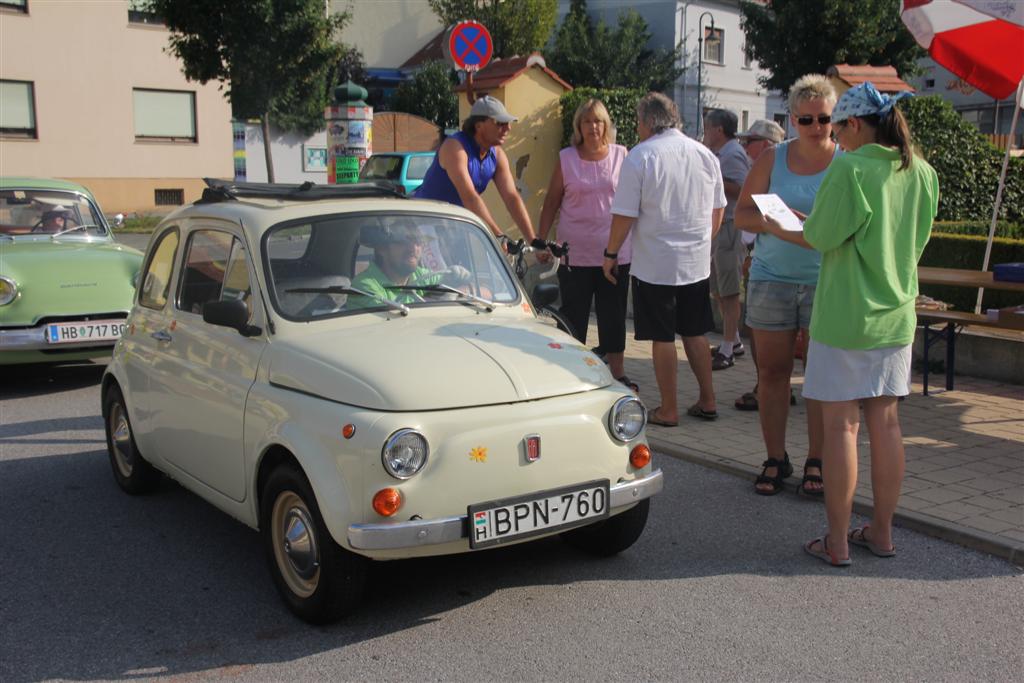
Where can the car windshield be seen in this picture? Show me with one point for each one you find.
(382, 167)
(342, 265)
(43, 214)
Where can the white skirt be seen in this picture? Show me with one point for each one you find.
(835, 374)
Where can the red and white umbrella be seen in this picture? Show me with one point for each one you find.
(981, 41)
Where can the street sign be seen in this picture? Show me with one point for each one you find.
(468, 45)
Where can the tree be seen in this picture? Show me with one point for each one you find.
(429, 94)
(602, 57)
(303, 112)
(272, 57)
(790, 38)
(517, 27)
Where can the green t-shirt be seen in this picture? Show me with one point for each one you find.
(871, 223)
(374, 281)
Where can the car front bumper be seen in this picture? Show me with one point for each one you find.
(417, 533)
(34, 339)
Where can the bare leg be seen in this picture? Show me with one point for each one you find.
(666, 363)
(887, 464)
(841, 421)
(730, 308)
(774, 367)
(696, 349)
(616, 363)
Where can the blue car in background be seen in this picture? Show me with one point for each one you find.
(402, 168)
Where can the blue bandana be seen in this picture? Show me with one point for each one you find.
(864, 100)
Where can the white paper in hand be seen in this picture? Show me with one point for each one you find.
(773, 206)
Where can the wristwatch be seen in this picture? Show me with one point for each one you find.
(612, 256)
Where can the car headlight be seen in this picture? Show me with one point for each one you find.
(405, 453)
(8, 290)
(627, 418)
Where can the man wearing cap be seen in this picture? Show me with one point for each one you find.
(468, 160)
(53, 220)
(760, 136)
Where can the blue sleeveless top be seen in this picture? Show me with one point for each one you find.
(776, 260)
(437, 184)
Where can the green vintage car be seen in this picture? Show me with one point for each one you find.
(66, 286)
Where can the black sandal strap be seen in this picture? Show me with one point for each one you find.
(812, 462)
(813, 478)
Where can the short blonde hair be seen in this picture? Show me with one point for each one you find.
(811, 87)
(596, 107)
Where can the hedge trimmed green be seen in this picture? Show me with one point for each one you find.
(968, 252)
(621, 105)
(966, 162)
(1003, 228)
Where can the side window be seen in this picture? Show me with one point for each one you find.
(204, 270)
(236, 277)
(156, 283)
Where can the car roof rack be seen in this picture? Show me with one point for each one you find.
(218, 190)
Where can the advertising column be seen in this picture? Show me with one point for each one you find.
(349, 134)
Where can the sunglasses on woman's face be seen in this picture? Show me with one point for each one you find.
(823, 119)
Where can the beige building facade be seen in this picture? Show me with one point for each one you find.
(88, 93)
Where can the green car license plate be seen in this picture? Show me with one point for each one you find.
(78, 332)
(513, 519)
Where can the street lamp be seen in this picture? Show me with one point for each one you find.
(712, 39)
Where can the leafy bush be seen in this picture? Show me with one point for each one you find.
(1003, 228)
(621, 105)
(430, 94)
(968, 252)
(967, 164)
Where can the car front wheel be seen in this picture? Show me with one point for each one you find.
(133, 474)
(319, 580)
(613, 535)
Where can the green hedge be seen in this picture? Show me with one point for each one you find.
(621, 105)
(968, 252)
(1003, 228)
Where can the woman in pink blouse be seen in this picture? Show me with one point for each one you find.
(580, 192)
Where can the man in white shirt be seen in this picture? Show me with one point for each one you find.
(671, 196)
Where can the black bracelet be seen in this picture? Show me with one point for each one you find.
(608, 254)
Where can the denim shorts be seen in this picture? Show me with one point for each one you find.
(779, 306)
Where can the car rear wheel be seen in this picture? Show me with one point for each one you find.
(131, 471)
(613, 535)
(319, 580)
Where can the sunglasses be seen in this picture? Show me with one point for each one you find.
(823, 119)
(836, 127)
(750, 141)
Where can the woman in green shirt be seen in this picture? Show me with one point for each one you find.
(871, 220)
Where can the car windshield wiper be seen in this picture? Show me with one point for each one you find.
(351, 290)
(84, 226)
(440, 287)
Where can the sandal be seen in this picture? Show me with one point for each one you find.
(825, 555)
(783, 468)
(747, 401)
(696, 411)
(633, 386)
(812, 478)
(859, 537)
(653, 419)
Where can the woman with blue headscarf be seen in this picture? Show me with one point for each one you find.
(871, 220)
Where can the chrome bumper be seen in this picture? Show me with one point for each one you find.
(422, 532)
(34, 339)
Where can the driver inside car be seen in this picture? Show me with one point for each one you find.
(397, 250)
(53, 221)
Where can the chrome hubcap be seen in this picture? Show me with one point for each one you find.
(121, 437)
(295, 544)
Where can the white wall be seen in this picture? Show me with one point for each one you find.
(387, 32)
(287, 152)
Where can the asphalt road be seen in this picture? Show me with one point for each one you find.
(95, 584)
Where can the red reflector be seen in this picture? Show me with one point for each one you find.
(348, 431)
(533, 447)
(640, 456)
(387, 501)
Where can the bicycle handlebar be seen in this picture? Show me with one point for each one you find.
(519, 249)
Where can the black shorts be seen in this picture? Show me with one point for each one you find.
(660, 312)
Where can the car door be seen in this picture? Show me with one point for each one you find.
(203, 372)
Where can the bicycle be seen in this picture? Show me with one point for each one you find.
(544, 293)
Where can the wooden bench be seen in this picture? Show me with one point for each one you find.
(954, 322)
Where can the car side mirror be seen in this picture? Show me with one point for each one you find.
(232, 313)
(544, 294)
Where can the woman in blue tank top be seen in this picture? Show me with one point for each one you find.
(783, 277)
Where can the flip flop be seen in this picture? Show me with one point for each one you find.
(825, 555)
(747, 401)
(858, 537)
(652, 419)
(696, 411)
(633, 386)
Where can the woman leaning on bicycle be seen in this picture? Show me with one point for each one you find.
(580, 193)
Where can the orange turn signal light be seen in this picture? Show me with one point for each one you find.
(387, 501)
(640, 456)
(348, 431)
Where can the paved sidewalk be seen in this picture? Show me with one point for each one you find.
(965, 448)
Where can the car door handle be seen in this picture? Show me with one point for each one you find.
(162, 336)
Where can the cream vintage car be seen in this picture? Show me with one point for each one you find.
(274, 365)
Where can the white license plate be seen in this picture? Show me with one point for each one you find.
(78, 332)
(512, 519)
